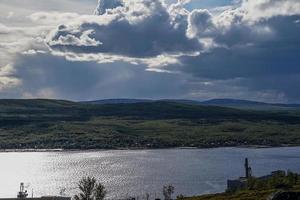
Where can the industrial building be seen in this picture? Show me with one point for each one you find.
(241, 183)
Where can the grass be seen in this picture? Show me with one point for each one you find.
(243, 195)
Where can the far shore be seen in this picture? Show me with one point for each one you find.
(118, 149)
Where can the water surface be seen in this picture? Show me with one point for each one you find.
(127, 172)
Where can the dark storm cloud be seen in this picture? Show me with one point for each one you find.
(142, 28)
(51, 76)
(249, 54)
(254, 41)
(249, 50)
(264, 54)
(267, 63)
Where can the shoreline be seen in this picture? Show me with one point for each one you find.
(136, 149)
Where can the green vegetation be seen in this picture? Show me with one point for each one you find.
(258, 188)
(242, 195)
(276, 181)
(90, 190)
(168, 190)
(69, 125)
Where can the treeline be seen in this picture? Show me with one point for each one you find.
(90, 189)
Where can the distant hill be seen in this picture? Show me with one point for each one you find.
(130, 101)
(232, 103)
(245, 104)
(117, 101)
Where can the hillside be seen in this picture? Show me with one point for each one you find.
(231, 103)
(278, 186)
(42, 123)
(245, 104)
(117, 101)
(243, 195)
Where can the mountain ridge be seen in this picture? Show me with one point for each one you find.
(223, 102)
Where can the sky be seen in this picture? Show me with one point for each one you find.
(156, 49)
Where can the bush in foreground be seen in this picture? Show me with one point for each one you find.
(90, 190)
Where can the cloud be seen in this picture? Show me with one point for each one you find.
(247, 49)
(84, 40)
(145, 29)
(4, 29)
(10, 14)
(104, 5)
(52, 18)
(260, 49)
(139, 29)
(200, 24)
(255, 10)
(245, 46)
(247, 41)
(33, 52)
(48, 76)
(7, 78)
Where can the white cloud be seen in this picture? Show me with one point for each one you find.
(10, 14)
(4, 29)
(7, 79)
(200, 24)
(33, 52)
(51, 18)
(83, 40)
(255, 10)
(106, 5)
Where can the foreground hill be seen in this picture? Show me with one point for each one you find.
(243, 195)
(42, 123)
(272, 187)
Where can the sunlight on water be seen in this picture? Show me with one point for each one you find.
(137, 172)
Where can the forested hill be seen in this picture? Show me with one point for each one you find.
(43, 123)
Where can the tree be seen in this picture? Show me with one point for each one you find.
(147, 196)
(168, 191)
(180, 197)
(90, 190)
(62, 191)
